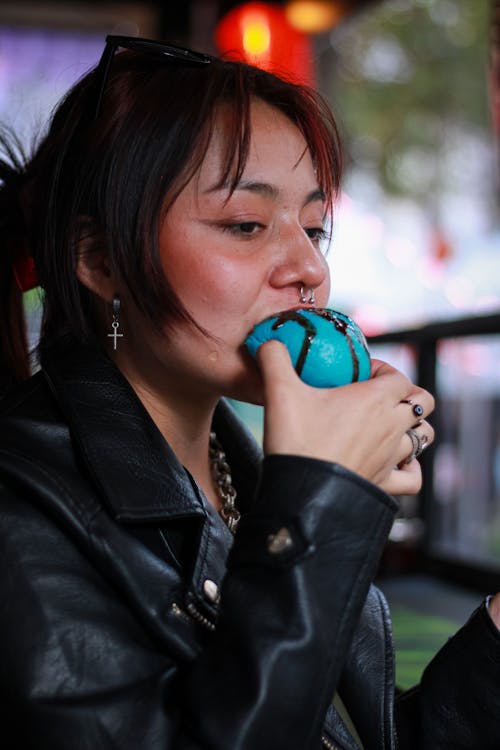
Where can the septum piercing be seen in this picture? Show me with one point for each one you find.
(310, 300)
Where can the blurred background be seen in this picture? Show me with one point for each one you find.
(416, 234)
(415, 255)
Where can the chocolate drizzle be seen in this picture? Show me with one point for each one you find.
(310, 331)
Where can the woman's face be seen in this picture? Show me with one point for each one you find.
(235, 259)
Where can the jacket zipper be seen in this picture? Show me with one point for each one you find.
(192, 614)
(199, 617)
(328, 743)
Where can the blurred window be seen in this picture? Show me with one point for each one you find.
(465, 516)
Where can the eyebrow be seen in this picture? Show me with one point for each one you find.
(268, 191)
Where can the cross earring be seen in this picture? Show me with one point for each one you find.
(115, 324)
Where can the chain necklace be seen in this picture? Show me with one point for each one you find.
(221, 473)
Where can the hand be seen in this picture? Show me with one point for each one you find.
(494, 610)
(361, 426)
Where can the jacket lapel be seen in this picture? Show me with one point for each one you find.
(140, 480)
(138, 475)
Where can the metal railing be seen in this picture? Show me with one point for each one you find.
(424, 342)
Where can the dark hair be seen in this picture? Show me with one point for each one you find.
(108, 181)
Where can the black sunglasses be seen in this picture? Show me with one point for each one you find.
(149, 47)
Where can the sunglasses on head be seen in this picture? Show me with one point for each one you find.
(147, 46)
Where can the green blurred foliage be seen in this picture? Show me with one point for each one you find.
(417, 638)
(408, 75)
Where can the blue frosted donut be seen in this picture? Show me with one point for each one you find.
(326, 347)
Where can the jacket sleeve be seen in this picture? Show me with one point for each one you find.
(298, 576)
(457, 704)
(78, 669)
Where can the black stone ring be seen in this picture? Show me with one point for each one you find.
(418, 410)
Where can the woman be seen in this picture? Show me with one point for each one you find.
(176, 201)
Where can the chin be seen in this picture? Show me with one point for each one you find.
(247, 386)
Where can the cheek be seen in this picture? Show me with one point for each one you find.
(233, 282)
(188, 270)
(217, 283)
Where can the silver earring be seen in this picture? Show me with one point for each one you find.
(115, 324)
(310, 300)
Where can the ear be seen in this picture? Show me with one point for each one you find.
(93, 269)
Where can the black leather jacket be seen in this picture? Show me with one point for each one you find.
(111, 637)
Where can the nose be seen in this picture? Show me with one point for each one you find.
(299, 263)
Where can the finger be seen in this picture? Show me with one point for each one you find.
(419, 404)
(389, 378)
(404, 481)
(279, 379)
(276, 369)
(273, 359)
(422, 438)
(379, 367)
(414, 403)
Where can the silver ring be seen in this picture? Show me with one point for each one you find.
(418, 442)
(307, 300)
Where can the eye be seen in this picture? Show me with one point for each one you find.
(245, 228)
(316, 234)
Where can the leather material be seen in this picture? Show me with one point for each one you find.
(108, 639)
(371, 645)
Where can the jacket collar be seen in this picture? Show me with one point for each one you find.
(139, 476)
